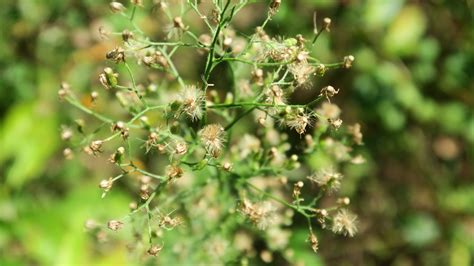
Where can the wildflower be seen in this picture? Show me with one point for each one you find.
(344, 222)
(212, 136)
(274, 95)
(327, 178)
(180, 148)
(191, 99)
(173, 172)
(348, 60)
(154, 250)
(96, 146)
(169, 223)
(321, 70)
(117, 55)
(114, 225)
(298, 121)
(314, 242)
(328, 92)
(262, 214)
(301, 72)
(156, 58)
(279, 51)
(354, 130)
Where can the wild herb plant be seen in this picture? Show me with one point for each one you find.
(212, 167)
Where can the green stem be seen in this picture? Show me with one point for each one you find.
(134, 85)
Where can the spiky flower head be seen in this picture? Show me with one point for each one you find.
(345, 223)
(298, 121)
(212, 137)
(191, 99)
(262, 214)
(327, 178)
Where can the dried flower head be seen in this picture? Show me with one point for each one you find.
(328, 92)
(262, 214)
(298, 121)
(154, 250)
(96, 146)
(212, 136)
(301, 72)
(117, 55)
(114, 225)
(345, 223)
(314, 242)
(348, 60)
(327, 179)
(191, 99)
(354, 130)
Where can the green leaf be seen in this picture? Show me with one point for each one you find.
(28, 137)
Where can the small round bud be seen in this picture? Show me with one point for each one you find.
(121, 150)
(90, 224)
(261, 121)
(133, 205)
(344, 201)
(116, 7)
(300, 184)
(66, 134)
(294, 157)
(227, 41)
(67, 153)
(106, 184)
(348, 60)
(94, 96)
(227, 166)
(326, 24)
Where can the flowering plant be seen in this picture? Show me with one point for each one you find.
(215, 161)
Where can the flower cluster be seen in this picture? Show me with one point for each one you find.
(219, 155)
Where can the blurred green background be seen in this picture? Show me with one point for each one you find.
(411, 88)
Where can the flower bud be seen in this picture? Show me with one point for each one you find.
(114, 225)
(326, 24)
(348, 60)
(116, 7)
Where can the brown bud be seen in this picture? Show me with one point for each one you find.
(114, 225)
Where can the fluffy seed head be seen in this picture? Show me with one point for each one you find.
(345, 223)
(212, 136)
